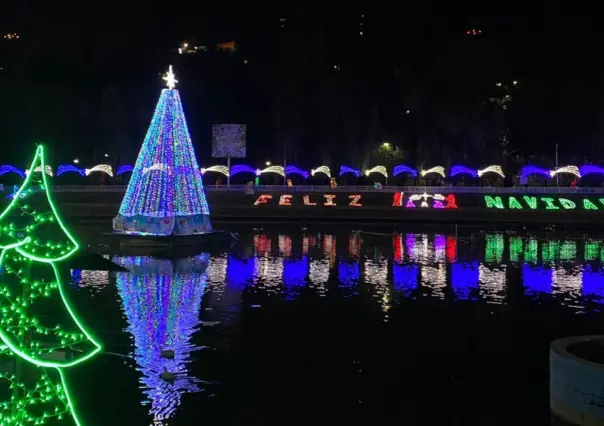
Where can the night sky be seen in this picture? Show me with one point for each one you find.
(82, 70)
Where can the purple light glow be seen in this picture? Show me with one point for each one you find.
(348, 272)
(534, 170)
(293, 170)
(536, 279)
(11, 169)
(463, 170)
(125, 168)
(70, 169)
(593, 285)
(465, 280)
(405, 278)
(346, 169)
(242, 168)
(591, 169)
(404, 169)
(295, 272)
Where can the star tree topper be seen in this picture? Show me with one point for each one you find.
(170, 78)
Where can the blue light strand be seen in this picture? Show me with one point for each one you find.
(404, 169)
(293, 170)
(534, 170)
(591, 169)
(124, 168)
(346, 169)
(7, 168)
(463, 170)
(242, 168)
(68, 168)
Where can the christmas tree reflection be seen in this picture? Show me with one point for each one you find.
(161, 300)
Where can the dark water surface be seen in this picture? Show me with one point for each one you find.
(312, 327)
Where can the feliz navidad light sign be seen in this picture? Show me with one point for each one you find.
(551, 203)
(398, 199)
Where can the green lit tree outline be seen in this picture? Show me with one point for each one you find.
(26, 247)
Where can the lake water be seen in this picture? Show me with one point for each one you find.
(315, 326)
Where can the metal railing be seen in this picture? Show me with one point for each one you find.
(353, 188)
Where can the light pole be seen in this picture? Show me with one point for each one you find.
(557, 174)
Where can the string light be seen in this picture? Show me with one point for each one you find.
(573, 170)
(404, 169)
(439, 170)
(346, 169)
(103, 168)
(68, 168)
(153, 200)
(533, 170)
(549, 203)
(126, 168)
(437, 200)
(242, 168)
(4, 169)
(377, 169)
(491, 169)
(271, 169)
(321, 169)
(224, 170)
(293, 170)
(590, 169)
(463, 170)
(38, 169)
(25, 284)
(158, 167)
(170, 78)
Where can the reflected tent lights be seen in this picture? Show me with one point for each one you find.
(346, 169)
(4, 169)
(322, 169)
(100, 168)
(420, 260)
(381, 170)
(439, 170)
(293, 170)
(223, 170)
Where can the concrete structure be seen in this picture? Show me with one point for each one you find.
(577, 381)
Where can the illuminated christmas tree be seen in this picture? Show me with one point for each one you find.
(39, 330)
(165, 195)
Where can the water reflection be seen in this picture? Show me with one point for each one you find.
(164, 300)
(392, 269)
(426, 265)
(161, 300)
